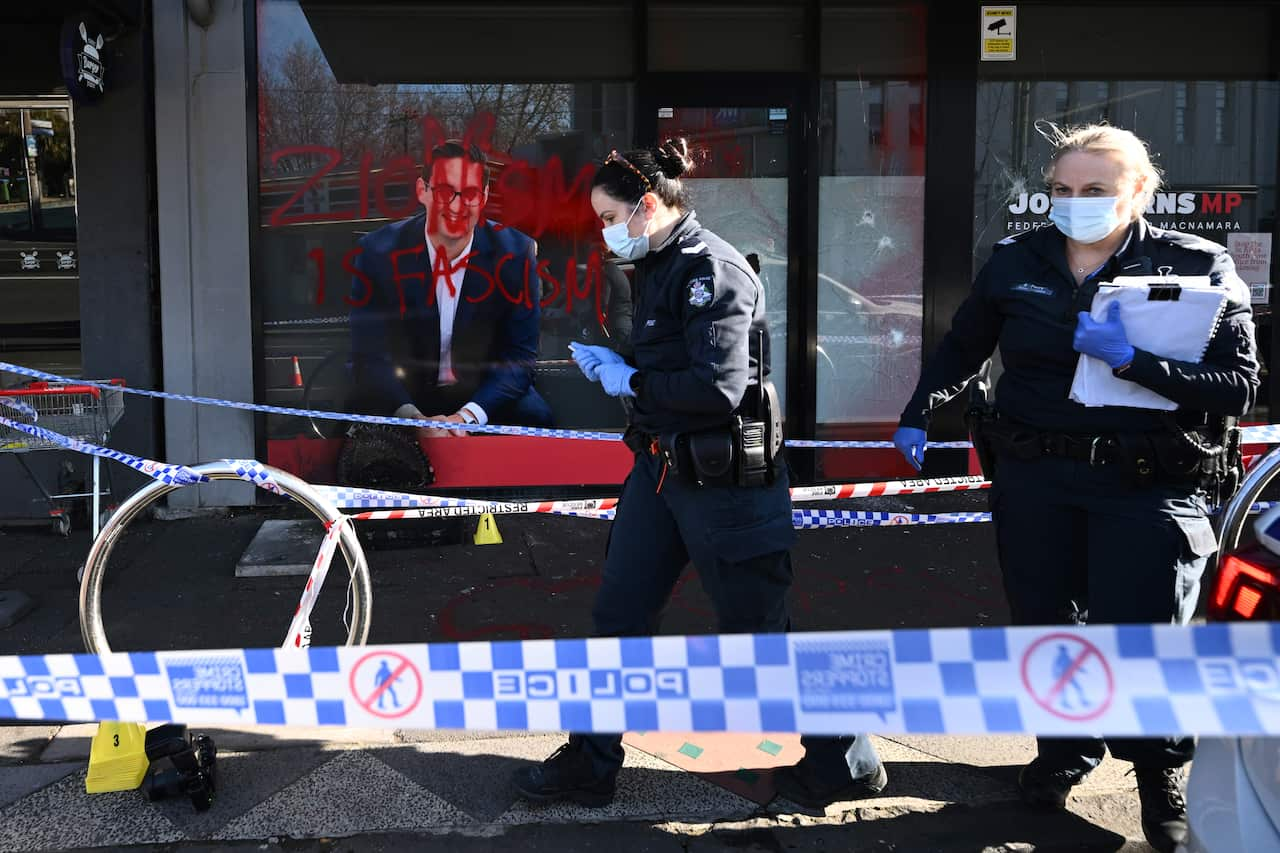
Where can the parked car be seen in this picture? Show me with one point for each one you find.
(1233, 792)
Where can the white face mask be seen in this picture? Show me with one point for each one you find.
(622, 243)
(1085, 220)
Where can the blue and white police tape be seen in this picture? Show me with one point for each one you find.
(21, 407)
(249, 470)
(810, 519)
(255, 472)
(175, 474)
(494, 429)
(814, 519)
(1131, 680)
(1265, 434)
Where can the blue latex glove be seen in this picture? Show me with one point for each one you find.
(910, 443)
(591, 358)
(616, 379)
(1106, 340)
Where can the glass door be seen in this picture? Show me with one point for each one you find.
(39, 265)
(744, 139)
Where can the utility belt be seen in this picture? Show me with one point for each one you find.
(1170, 457)
(735, 455)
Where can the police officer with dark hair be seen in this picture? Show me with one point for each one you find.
(708, 484)
(1099, 511)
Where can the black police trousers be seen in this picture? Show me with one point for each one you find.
(738, 539)
(1078, 543)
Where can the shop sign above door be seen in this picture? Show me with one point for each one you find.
(83, 65)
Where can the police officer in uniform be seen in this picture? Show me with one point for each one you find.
(708, 485)
(1099, 511)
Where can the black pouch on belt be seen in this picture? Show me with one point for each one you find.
(1136, 455)
(707, 457)
(1020, 442)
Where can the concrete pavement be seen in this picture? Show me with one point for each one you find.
(446, 791)
(173, 585)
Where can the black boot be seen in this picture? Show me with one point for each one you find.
(567, 775)
(802, 786)
(1047, 787)
(1164, 810)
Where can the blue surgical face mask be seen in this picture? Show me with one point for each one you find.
(1085, 220)
(617, 238)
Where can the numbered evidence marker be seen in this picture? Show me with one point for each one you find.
(117, 758)
(487, 531)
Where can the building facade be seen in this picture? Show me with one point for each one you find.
(867, 155)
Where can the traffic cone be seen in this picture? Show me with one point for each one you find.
(297, 373)
(117, 758)
(487, 531)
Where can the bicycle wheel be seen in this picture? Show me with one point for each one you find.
(92, 628)
(1236, 510)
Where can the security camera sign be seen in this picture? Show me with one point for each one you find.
(999, 34)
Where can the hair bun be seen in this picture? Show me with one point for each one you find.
(673, 158)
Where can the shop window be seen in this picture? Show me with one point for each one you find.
(1226, 194)
(1181, 112)
(39, 262)
(1222, 118)
(870, 234)
(339, 159)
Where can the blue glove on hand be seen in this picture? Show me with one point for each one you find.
(616, 379)
(910, 443)
(591, 358)
(1106, 340)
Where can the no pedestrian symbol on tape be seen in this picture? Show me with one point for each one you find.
(386, 684)
(1068, 677)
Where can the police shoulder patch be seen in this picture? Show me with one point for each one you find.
(700, 291)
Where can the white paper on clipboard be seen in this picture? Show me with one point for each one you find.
(1177, 329)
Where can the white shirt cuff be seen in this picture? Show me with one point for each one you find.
(408, 410)
(477, 412)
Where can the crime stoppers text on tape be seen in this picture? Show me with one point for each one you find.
(1134, 680)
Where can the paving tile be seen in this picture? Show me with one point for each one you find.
(648, 789)
(917, 781)
(71, 743)
(1004, 755)
(473, 775)
(352, 793)
(740, 762)
(62, 816)
(17, 781)
(20, 744)
(244, 780)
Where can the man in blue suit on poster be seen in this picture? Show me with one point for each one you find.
(444, 323)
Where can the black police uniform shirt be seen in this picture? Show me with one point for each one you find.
(1025, 300)
(699, 315)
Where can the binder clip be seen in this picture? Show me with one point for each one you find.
(1168, 290)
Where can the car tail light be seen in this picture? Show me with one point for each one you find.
(1247, 587)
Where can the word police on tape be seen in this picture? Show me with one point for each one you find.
(1140, 680)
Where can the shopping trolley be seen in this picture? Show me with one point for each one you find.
(86, 412)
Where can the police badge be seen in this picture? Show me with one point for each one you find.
(700, 292)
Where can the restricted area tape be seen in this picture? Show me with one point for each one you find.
(255, 472)
(1130, 680)
(346, 497)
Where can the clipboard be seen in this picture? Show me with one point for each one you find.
(1172, 317)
